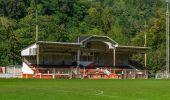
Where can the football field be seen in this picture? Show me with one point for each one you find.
(79, 89)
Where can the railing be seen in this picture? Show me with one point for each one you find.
(99, 73)
(131, 73)
(49, 73)
(115, 73)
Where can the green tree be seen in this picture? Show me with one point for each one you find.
(10, 50)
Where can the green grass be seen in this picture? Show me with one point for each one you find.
(77, 89)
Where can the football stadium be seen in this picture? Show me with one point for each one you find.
(84, 50)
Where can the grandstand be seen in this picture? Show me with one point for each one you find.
(94, 57)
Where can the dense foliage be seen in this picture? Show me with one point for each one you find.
(125, 21)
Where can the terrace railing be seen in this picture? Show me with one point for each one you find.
(90, 73)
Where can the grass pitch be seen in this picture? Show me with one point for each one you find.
(77, 89)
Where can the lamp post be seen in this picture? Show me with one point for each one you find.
(145, 45)
(167, 38)
(36, 37)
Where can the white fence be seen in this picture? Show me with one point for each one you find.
(162, 76)
(11, 72)
(10, 75)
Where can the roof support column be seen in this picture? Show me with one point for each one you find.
(114, 58)
(145, 60)
(78, 60)
(38, 54)
(145, 65)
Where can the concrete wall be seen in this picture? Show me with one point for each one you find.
(26, 69)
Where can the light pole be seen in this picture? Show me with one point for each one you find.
(145, 45)
(167, 38)
(36, 37)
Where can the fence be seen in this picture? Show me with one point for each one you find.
(49, 73)
(10, 75)
(52, 73)
(134, 74)
(162, 76)
(11, 72)
(73, 72)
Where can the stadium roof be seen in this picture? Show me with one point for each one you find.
(85, 39)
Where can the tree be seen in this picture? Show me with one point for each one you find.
(9, 43)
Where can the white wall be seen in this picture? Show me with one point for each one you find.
(26, 69)
(29, 51)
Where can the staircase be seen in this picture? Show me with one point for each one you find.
(27, 62)
(107, 72)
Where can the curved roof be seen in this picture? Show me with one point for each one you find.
(105, 39)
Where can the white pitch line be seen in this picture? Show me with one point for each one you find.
(123, 97)
(101, 93)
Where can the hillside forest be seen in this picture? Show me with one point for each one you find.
(125, 21)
